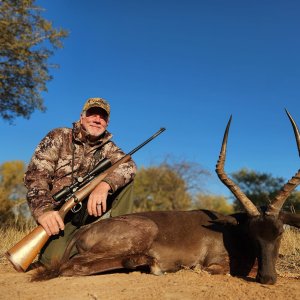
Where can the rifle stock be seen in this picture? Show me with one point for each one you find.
(24, 252)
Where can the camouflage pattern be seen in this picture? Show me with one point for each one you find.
(96, 102)
(50, 168)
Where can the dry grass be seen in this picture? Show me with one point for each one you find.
(10, 236)
(288, 264)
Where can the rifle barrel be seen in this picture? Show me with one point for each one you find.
(147, 141)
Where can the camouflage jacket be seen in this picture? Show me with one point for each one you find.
(50, 168)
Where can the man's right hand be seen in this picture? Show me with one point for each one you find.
(51, 222)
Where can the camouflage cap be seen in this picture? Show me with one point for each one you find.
(96, 102)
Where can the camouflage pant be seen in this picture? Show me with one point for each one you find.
(120, 203)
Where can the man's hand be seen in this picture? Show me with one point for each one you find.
(51, 222)
(97, 200)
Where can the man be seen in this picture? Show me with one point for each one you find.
(66, 154)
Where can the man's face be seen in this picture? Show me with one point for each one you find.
(94, 121)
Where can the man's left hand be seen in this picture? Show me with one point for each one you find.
(97, 200)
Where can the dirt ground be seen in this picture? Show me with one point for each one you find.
(185, 284)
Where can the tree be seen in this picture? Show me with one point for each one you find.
(213, 202)
(293, 202)
(12, 190)
(160, 188)
(260, 188)
(26, 42)
(167, 186)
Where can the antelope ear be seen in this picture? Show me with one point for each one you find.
(226, 220)
(290, 219)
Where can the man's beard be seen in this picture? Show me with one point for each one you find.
(91, 138)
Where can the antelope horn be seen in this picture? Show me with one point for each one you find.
(296, 130)
(248, 205)
(276, 205)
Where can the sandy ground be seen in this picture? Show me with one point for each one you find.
(185, 284)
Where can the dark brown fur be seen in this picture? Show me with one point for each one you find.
(170, 240)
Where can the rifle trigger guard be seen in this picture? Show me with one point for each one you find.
(77, 208)
(78, 205)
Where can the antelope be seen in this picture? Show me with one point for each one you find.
(166, 241)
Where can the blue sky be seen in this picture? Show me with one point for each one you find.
(184, 65)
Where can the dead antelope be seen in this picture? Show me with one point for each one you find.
(166, 241)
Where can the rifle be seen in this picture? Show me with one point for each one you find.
(24, 252)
